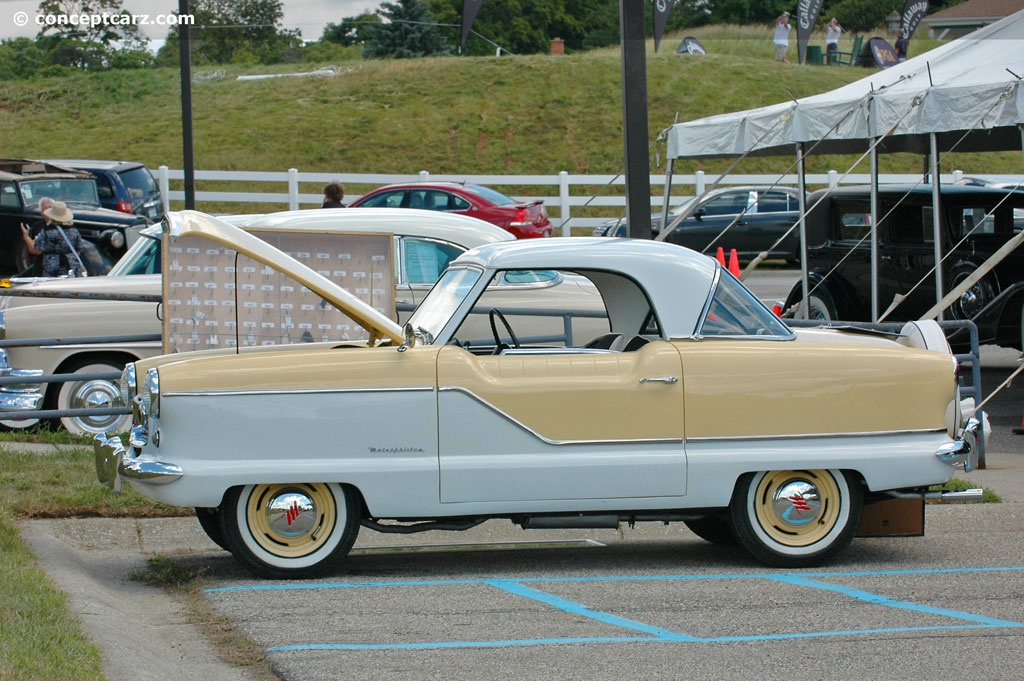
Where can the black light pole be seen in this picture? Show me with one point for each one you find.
(634, 118)
(185, 59)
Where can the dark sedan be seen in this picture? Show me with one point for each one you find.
(523, 219)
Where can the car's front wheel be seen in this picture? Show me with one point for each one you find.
(796, 518)
(92, 393)
(291, 530)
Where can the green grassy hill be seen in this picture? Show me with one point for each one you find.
(473, 115)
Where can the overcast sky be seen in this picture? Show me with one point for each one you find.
(309, 16)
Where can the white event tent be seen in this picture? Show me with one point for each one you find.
(964, 95)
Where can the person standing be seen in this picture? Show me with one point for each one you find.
(333, 194)
(832, 32)
(901, 46)
(58, 242)
(781, 37)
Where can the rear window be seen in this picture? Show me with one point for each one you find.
(497, 198)
(140, 183)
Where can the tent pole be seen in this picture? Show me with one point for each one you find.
(802, 184)
(874, 229)
(936, 217)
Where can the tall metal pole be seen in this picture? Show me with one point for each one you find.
(634, 118)
(185, 60)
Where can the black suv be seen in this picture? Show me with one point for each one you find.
(749, 219)
(22, 183)
(975, 222)
(125, 186)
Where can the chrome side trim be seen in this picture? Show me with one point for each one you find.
(105, 346)
(293, 391)
(522, 426)
(811, 436)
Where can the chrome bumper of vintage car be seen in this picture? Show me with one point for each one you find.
(962, 451)
(113, 465)
(25, 396)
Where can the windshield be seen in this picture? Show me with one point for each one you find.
(440, 304)
(142, 258)
(72, 191)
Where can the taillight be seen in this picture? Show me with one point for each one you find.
(124, 206)
(521, 218)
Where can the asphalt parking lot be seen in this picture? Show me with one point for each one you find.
(648, 602)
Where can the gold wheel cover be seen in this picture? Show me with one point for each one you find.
(293, 520)
(797, 508)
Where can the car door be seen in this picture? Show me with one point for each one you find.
(906, 259)
(771, 219)
(560, 425)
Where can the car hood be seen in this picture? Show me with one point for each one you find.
(194, 223)
(38, 290)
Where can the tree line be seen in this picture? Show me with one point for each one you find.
(251, 31)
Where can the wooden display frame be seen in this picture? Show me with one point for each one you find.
(216, 298)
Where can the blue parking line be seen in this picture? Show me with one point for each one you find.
(651, 633)
(869, 597)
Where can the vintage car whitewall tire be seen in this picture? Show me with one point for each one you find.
(289, 531)
(91, 393)
(796, 518)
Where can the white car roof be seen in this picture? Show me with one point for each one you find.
(678, 280)
(462, 230)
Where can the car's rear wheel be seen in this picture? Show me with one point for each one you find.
(712, 528)
(92, 393)
(291, 530)
(796, 518)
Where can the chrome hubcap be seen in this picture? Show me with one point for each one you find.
(797, 503)
(291, 514)
(95, 395)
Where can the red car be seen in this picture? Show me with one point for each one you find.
(525, 220)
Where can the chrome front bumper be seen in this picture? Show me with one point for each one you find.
(26, 396)
(963, 451)
(113, 466)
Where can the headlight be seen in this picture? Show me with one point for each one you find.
(127, 384)
(113, 237)
(148, 400)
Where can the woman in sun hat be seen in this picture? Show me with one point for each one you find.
(58, 242)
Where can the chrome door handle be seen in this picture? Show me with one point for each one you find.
(659, 379)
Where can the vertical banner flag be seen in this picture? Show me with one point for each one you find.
(662, 8)
(913, 12)
(806, 16)
(469, 10)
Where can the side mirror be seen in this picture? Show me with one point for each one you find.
(408, 337)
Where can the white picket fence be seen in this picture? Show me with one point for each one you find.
(568, 203)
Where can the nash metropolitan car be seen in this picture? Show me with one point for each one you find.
(699, 406)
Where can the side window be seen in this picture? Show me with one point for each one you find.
(423, 261)
(9, 196)
(775, 202)
(975, 221)
(728, 204)
(853, 220)
(385, 200)
(458, 203)
(908, 226)
(103, 187)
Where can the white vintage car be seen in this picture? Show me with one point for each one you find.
(424, 243)
(700, 406)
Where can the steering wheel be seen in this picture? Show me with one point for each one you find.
(498, 344)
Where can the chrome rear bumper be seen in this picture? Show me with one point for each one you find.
(963, 451)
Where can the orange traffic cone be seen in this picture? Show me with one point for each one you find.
(734, 264)
(720, 256)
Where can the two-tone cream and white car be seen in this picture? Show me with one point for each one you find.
(699, 406)
(424, 243)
